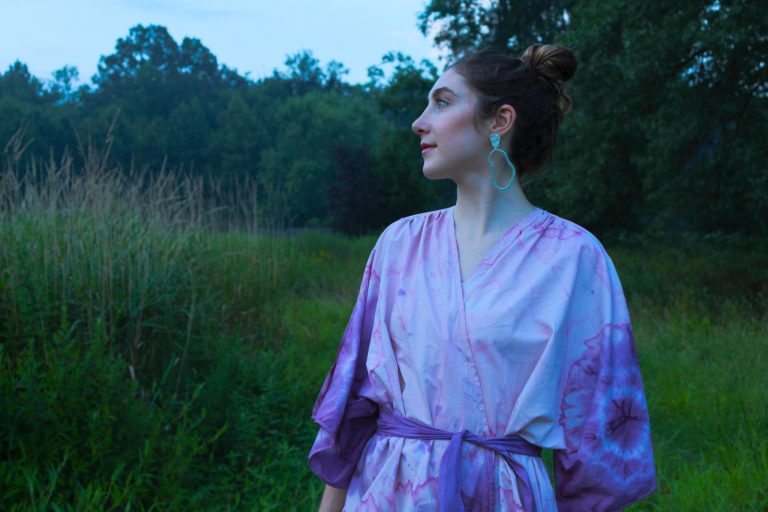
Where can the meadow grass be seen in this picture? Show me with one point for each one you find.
(151, 362)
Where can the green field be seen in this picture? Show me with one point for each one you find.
(148, 362)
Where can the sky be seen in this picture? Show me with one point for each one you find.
(251, 36)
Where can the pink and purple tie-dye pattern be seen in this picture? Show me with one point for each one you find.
(537, 342)
(391, 423)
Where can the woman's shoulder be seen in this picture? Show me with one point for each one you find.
(412, 227)
(577, 249)
(568, 234)
(565, 236)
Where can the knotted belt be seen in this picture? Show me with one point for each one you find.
(391, 423)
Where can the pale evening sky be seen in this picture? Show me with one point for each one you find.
(251, 36)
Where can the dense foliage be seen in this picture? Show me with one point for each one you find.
(670, 106)
(668, 131)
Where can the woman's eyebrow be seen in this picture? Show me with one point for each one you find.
(441, 89)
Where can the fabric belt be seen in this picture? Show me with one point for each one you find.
(391, 423)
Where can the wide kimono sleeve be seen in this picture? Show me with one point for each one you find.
(608, 461)
(347, 420)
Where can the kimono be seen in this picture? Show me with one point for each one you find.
(537, 342)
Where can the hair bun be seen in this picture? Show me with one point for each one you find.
(555, 62)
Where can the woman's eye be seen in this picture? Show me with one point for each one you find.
(440, 100)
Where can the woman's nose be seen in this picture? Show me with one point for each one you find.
(418, 126)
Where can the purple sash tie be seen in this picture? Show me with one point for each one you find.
(391, 423)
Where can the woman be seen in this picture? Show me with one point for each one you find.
(487, 330)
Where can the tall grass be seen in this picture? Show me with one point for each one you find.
(137, 338)
(156, 354)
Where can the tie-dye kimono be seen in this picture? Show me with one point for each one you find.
(537, 341)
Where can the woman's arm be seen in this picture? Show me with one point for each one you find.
(333, 499)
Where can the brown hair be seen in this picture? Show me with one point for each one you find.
(533, 85)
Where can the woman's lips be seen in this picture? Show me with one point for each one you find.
(427, 149)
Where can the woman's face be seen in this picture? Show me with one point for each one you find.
(447, 126)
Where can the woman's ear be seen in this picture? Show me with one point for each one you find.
(504, 120)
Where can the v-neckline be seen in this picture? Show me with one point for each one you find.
(490, 253)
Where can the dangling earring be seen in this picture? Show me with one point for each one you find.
(495, 138)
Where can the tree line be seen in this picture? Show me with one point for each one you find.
(668, 131)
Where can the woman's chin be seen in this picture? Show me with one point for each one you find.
(433, 174)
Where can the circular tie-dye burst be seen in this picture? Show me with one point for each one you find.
(604, 413)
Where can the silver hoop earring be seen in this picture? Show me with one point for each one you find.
(495, 139)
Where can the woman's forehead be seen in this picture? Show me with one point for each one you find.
(450, 81)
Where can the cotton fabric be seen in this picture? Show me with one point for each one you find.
(537, 341)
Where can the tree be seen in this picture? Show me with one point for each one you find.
(468, 24)
(242, 133)
(669, 116)
(63, 83)
(398, 162)
(668, 103)
(169, 95)
(313, 131)
(304, 74)
(19, 83)
(26, 104)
